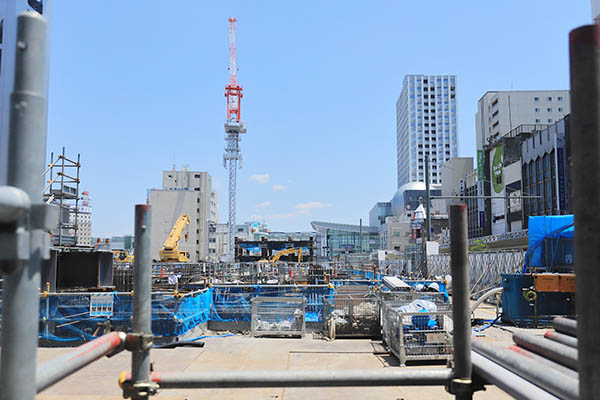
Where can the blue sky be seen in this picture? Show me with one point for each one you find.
(136, 87)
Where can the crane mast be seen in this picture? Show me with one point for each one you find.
(234, 126)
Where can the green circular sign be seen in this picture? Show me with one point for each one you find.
(497, 170)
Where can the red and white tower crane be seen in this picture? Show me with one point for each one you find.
(234, 126)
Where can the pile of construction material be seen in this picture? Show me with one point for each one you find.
(534, 367)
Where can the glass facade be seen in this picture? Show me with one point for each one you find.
(335, 240)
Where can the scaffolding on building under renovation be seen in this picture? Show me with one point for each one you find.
(62, 189)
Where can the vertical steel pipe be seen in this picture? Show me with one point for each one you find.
(26, 162)
(461, 311)
(584, 49)
(142, 293)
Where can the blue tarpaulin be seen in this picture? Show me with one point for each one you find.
(541, 227)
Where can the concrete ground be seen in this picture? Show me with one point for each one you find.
(99, 380)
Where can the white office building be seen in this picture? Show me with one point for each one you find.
(499, 112)
(183, 192)
(426, 125)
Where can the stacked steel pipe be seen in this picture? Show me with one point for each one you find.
(535, 367)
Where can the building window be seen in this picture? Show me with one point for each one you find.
(536, 99)
(537, 121)
(559, 98)
(550, 120)
(560, 109)
(549, 109)
(549, 98)
(537, 109)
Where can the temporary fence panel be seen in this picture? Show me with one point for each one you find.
(485, 269)
(85, 316)
(352, 314)
(413, 336)
(278, 316)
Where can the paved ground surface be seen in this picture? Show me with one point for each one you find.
(99, 381)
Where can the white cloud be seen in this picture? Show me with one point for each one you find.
(263, 179)
(279, 188)
(263, 204)
(282, 216)
(312, 205)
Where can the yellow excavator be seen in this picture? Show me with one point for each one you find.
(170, 250)
(285, 252)
(123, 256)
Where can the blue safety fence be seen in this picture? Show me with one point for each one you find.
(81, 317)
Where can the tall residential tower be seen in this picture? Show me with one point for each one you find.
(425, 125)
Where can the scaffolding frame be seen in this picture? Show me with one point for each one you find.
(55, 192)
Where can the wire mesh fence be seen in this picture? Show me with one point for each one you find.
(485, 269)
(278, 316)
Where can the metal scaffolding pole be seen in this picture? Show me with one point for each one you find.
(316, 378)
(26, 161)
(585, 175)
(55, 370)
(461, 384)
(142, 304)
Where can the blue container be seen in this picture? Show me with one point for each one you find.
(539, 310)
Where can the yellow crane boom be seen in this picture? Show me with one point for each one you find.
(284, 252)
(170, 250)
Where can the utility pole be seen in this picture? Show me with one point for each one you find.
(427, 200)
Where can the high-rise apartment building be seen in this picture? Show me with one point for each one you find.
(183, 192)
(426, 114)
(499, 112)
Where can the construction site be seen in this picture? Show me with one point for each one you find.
(188, 308)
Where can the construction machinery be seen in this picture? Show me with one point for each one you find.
(170, 250)
(123, 256)
(284, 252)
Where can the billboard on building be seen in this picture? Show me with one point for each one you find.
(498, 201)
